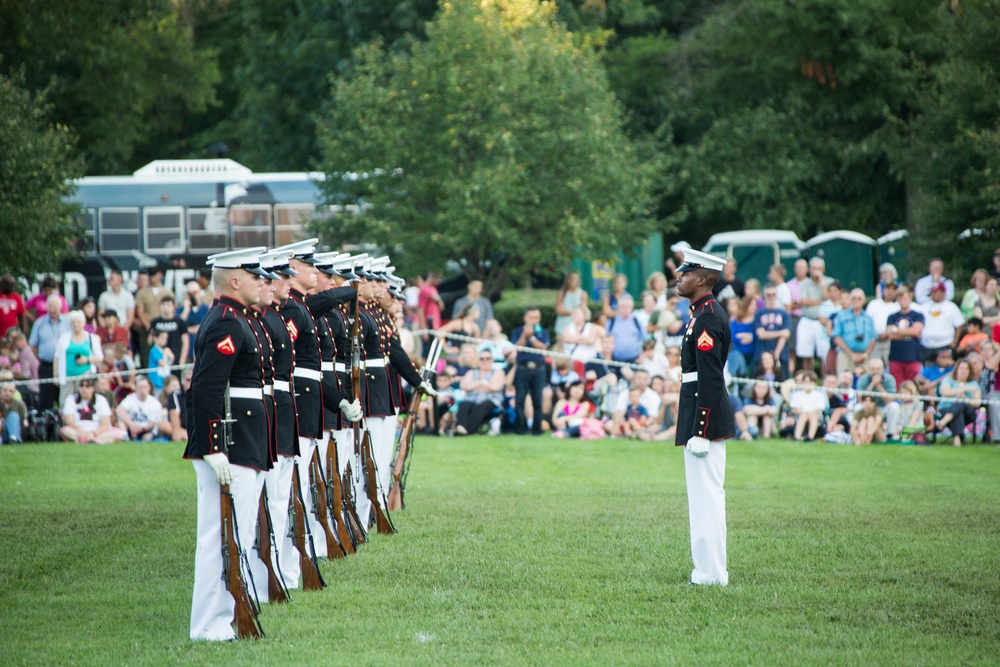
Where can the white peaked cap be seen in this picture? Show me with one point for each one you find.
(696, 259)
(247, 259)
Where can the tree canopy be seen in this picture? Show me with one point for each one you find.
(495, 143)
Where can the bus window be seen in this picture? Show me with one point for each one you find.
(164, 232)
(86, 242)
(119, 230)
(207, 230)
(290, 221)
(251, 224)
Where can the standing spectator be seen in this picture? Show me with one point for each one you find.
(973, 338)
(987, 308)
(656, 284)
(878, 380)
(955, 390)
(12, 310)
(569, 296)
(118, 299)
(801, 268)
(753, 289)
(77, 353)
(772, 325)
(931, 376)
(995, 268)
(530, 375)
(147, 308)
(610, 299)
(647, 310)
(176, 329)
(904, 329)
(922, 290)
(87, 417)
(496, 342)
(429, 305)
(627, 331)
(161, 358)
(581, 339)
(177, 406)
(810, 342)
(463, 325)
(879, 309)
(942, 321)
(37, 305)
(977, 289)
(45, 333)
(670, 264)
(112, 332)
(474, 294)
(194, 310)
(206, 294)
(776, 276)
(88, 307)
(27, 361)
(742, 331)
(140, 412)
(886, 274)
(828, 310)
(412, 305)
(12, 414)
(729, 286)
(854, 334)
(483, 395)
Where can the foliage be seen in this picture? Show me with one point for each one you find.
(520, 550)
(123, 75)
(495, 144)
(509, 310)
(37, 159)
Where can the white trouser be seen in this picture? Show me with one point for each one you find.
(345, 449)
(278, 481)
(810, 340)
(890, 415)
(376, 434)
(994, 414)
(306, 447)
(707, 512)
(212, 606)
(387, 450)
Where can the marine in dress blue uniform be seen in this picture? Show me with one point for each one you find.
(704, 415)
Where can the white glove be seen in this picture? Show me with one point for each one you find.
(426, 387)
(698, 446)
(220, 466)
(351, 410)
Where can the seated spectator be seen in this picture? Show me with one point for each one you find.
(102, 387)
(482, 398)
(761, 410)
(987, 308)
(935, 276)
(655, 363)
(868, 425)
(628, 332)
(176, 407)
(739, 418)
(878, 380)
(496, 342)
(122, 367)
(744, 339)
(581, 339)
(911, 411)
(165, 428)
(772, 326)
(904, 329)
(636, 419)
(667, 324)
(956, 414)
(12, 414)
(467, 359)
(807, 406)
(942, 321)
(649, 399)
(112, 332)
(140, 412)
(647, 309)
(840, 399)
(931, 376)
(463, 325)
(569, 412)
(430, 416)
(767, 369)
(161, 358)
(602, 378)
(977, 290)
(559, 379)
(973, 338)
(86, 417)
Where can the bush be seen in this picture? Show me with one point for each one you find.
(509, 310)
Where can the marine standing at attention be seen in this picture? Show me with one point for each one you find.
(704, 415)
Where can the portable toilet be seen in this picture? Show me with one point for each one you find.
(851, 258)
(893, 248)
(596, 276)
(756, 250)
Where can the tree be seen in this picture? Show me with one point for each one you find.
(495, 144)
(37, 161)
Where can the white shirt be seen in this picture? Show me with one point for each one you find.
(657, 365)
(940, 322)
(580, 351)
(784, 296)
(812, 401)
(90, 419)
(880, 311)
(922, 289)
(122, 303)
(649, 400)
(142, 413)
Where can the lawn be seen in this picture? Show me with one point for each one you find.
(531, 551)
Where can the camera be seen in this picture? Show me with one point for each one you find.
(859, 337)
(538, 329)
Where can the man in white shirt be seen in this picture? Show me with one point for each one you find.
(649, 398)
(140, 412)
(942, 319)
(777, 276)
(880, 310)
(922, 289)
(118, 299)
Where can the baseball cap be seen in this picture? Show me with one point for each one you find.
(938, 287)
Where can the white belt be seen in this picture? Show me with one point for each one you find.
(375, 363)
(340, 367)
(246, 392)
(269, 390)
(689, 377)
(281, 385)
(327, 366)
(308, 374)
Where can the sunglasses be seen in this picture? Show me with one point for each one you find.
(485, 358)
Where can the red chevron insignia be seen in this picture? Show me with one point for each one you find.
(225, 346)
(705, 341)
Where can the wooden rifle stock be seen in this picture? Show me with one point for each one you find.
(347, 483)
(335, 498)
(382, 522)
(317, 482)
(312, 580)
(277, 592)
(247, 623)
(395, 500)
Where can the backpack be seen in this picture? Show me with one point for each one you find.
(635, 321)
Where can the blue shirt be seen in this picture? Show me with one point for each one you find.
(628, 335)
(770, 320)
(857, 330)
(44, 335)
(526, 357)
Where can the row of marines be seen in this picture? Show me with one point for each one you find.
(271, 407)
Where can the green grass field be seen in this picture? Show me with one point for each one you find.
(531, 551)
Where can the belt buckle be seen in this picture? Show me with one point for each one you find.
(532, 365)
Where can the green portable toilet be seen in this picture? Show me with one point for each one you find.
(756, 250)
(596, 276)
(893, 248)
(851, 258)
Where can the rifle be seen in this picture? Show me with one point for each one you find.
(335, 499)
(362, 442)
(277, 591)
(321, 503)
(404, 447)
(353, 521)
(247, 621)
(312, 580)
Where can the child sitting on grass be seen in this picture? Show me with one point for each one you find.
(868, 426)
(636, 419)
(807, 406)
